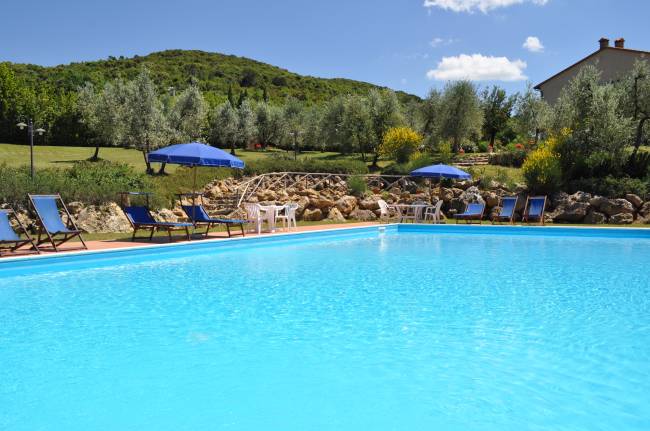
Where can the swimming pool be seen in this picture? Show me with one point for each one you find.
(403, 328)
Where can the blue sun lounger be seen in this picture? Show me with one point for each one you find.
(49, 209)
(534, 210)
(140, 218)
(507, 213)
(9, 239)
(472, 212)
(199, 216)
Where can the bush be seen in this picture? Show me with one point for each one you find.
(638, 165)
(285, 164)
(400, 143)
(482, 146)
(611, 187)
(88, 182)
(542, 170)
(357, 185)
(512, 158)
(420, 160)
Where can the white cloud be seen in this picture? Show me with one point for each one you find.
(439, 41)
(533, 44)
(478, 67)
(471, 5)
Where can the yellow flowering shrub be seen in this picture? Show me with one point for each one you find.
(542, 168)
(400, 143)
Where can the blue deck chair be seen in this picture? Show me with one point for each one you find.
(472, 212)
(140, 218)
(49, 209)
(199, 216)
(534, 210)
(9, 239)
(507, 213)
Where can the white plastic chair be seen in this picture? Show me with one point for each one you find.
(434, 212)
(288, 215)
(254, 215)
(384, 210)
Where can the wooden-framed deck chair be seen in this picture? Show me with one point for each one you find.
(534, 209)
(10, 239)
(507, 212)
(473, 212)
(49, 210)
(141, 218)
(198, 216)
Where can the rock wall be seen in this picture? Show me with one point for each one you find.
(333, 201)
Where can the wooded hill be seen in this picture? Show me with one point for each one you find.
(216, 74)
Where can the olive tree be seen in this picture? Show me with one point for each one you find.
(225, 127)
(104, 113)
(531, 114)
(146, 126)
(385, 112)
(462, 114)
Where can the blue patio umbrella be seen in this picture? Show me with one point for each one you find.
(195, 154)
(441, 171)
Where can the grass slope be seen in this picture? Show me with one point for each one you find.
(215, 73)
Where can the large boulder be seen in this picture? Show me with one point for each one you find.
(580, 197)
(634, 200)
(314, 214)
(335, 215)
(594, 217)
(166, 215)
(267, 195)
(321, 203)
(622, 218)
(571, 211)
(303, 203)
(617, 206)
(101, 219)
(491, 199)
(446, 194)
(370, 203)
(346, 204)
(644, 211)
(363, 215)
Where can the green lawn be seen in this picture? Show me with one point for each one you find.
(502, 174)
(51, 156)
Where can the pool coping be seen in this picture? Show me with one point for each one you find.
(36, 259)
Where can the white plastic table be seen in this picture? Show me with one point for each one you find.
(270, 211)
(416, 211)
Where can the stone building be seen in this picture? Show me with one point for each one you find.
(613, 61)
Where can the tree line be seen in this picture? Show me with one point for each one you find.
(460, 117)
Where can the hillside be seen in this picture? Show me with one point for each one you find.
(215, 73)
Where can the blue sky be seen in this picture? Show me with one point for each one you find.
(411, 45)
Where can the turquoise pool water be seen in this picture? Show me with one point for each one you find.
(410, 329)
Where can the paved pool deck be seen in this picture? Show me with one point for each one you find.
(177, 238)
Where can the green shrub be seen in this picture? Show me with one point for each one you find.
(611, 187)
(482, 146)
(88, 182)
(282, 164)
(420, 161)
(638, 165)
(357, 185)
(510, 158)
